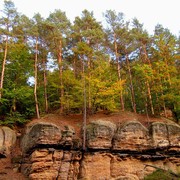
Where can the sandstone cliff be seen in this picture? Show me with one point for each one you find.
(115, 151)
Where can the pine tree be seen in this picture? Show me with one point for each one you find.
(116, 23)
(59, 27)
(7, 23)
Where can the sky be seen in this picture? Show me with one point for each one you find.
(148, 12)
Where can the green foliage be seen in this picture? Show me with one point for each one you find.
(20, 99)
(104, 86)
(144, 71)
(117, 63)
(14, 119)
(17, 94)
(161, 175)
(73, 92)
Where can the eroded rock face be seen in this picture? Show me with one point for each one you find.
(109, 166)
(174, 136)
(165, 136)
(41, 134)
(159, 134)
(131, 136)
(100, 134)
(113, 151)
(96, 165)
(49, 135)
(7, 140)
(71, 165)
(52, 164)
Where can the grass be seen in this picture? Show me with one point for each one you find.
(162, 175)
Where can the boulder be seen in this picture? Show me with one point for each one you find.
(159, 135)
(165, 136)
(174, 137)
(39, 135)
(2, 148)
(131, 136)
(100, 134)
(7, 140)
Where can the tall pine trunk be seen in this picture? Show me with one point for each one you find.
(150, 96)
(119, 72)
(84, 106)
(147, 60)
(89, 76)
(60, 76)
(35, 77)
(3, 66)
(45, 86)
(131, 84)
(163, 102)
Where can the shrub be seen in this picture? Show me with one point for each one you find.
(161, 175)
(13, 119)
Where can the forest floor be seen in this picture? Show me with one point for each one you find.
(9, 172)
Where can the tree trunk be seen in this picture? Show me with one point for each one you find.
(45, 86)
(146, 59)
(35, 77)
(60, 76)
(3, 66)
(84, 109)
(150, 97)
(74, 67)
(119, 72)
(147, 114)
(164, 104)
(89, 86)
(13, 109)
(131, 85)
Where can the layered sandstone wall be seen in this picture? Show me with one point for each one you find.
(113, 151)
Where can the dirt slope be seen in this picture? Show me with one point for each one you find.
(76, 120)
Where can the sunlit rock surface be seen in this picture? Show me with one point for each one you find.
(100, 134)
(7, 140)
(131, 136)
(50, 164)
(114, 151)
(41, 134)
(165, 136)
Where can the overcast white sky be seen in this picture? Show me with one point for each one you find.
(148, 12)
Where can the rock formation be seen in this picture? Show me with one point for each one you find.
(131, 136)
(7, 140)
(114, 151)
(100, 134)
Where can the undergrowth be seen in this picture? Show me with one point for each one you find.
(162, 175)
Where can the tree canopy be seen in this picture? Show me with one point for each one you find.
(46, 64)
